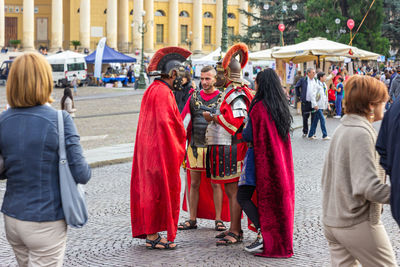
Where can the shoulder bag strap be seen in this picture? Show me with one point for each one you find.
(61, 138)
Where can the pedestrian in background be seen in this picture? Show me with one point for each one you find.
(339, 97)
(353, 183)
(182, 94)
(267, 131)
(74, 83)
(67, 102)
(319, 101)
(247, 78)
(33, 215)
(394, 91)
(303, 90)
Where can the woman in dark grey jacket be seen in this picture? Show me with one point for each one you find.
(33, 215)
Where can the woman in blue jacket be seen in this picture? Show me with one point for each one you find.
(33, 215)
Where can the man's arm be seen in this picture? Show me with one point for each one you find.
(297, 87)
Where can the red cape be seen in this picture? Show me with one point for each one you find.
(275, 184)
(206, 208)
(159, 152)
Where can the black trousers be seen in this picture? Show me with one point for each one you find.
(244, 196)
(306, 110)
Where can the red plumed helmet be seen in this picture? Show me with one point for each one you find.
(240, 49)
(166, 59)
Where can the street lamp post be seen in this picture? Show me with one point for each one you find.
(224, 39)
(142, 30)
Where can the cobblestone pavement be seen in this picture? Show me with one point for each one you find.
(106, 239)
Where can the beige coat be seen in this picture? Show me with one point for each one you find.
(353, 183)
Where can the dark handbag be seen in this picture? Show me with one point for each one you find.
(248, 176)
(72, 194)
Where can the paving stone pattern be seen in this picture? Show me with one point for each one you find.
(106, 240)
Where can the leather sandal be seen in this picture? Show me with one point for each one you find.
(188, 225)
(220, 226)
(226, 242)
(153, 244)
(222, 235)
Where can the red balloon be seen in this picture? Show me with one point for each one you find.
(281, 27)
(350, 24)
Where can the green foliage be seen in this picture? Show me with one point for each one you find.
(391, 22)
(320, 21)
(15, 43)
(265, 29)
(75, 43)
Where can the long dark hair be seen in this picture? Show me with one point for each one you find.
(270, 92)
(67, 93)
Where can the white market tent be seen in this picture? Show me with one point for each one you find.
(262, 55)
(313, 49)
(65, 55)
(209, 59)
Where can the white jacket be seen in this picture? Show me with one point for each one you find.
(319, 90)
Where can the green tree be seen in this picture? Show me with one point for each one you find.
(265, 29)
(391, 22)
(320, 21)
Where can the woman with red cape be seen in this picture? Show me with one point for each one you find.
(269, 170)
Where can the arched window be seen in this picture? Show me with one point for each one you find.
(160, 13)
(231, 16)
(208, 15)
(184, 14)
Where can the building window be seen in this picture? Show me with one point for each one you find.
(231, 16)
(207, 35)
(184, 33)
(159, 13)
(160, 33)
(184, 14)
(231, 32)
(208, 15)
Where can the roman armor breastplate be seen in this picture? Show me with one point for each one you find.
(199, 124)
(216, 134)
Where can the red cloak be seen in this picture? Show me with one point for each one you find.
(274, 184)
(159, 152)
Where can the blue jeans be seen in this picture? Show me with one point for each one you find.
(338, 105)
(319, 116)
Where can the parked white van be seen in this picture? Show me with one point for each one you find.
(65, 65)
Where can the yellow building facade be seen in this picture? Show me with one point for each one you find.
(194, 24)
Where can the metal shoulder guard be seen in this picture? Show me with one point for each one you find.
(237, 100)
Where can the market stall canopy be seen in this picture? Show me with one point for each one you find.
(65, 55)
(110, 56)
(312, 49)
(263, 55)
(365, 55)
(358, 54)
(208, 59)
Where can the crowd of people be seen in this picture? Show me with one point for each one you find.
(219, 124)
(235, 144)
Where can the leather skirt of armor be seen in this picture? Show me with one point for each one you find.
(196, 158)
(224, 163)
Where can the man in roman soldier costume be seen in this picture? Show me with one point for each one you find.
(200, 189)
(226, 148)
(159, 152)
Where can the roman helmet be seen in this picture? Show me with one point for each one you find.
(168, 59)
(234, 61)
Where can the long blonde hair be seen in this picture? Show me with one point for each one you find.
(30, 82)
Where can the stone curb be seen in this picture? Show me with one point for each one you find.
(103, 163)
